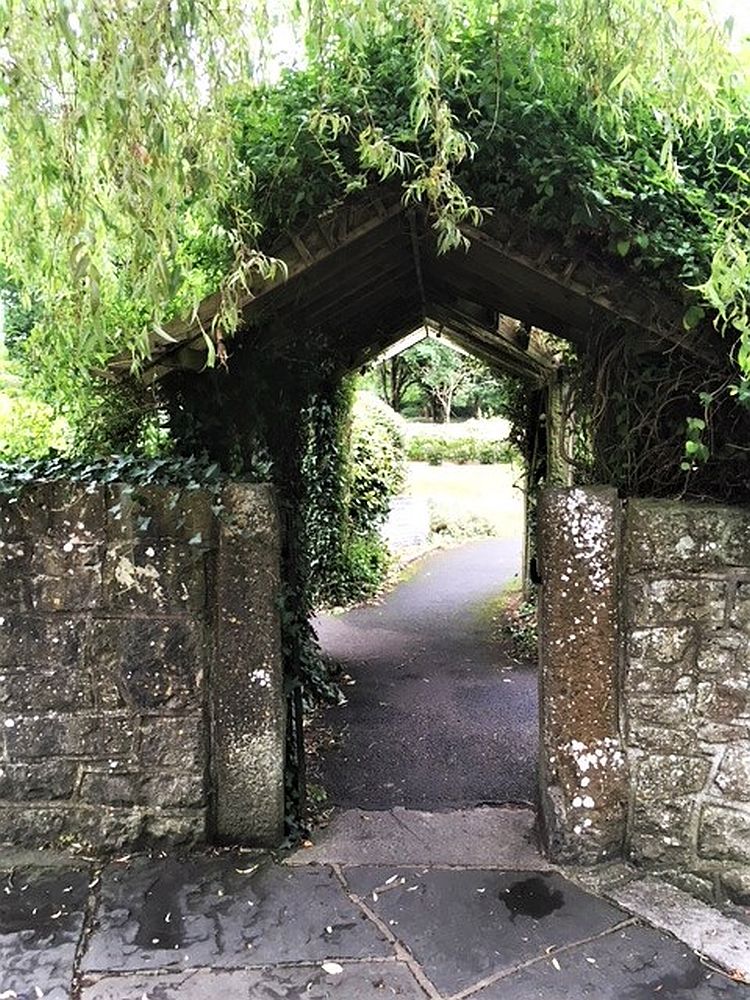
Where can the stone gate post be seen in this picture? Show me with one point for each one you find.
(583, 781)
(247, 705)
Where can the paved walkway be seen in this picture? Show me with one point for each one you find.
(437, 717)
(380, 907)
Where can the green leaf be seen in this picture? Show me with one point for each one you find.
(693, 316)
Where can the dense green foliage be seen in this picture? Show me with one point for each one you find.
(354, 465)
(186, 472)
(150, 160)
(460, 450)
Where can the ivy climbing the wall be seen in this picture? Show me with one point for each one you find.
(355, 464)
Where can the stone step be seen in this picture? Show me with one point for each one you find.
(484, 837)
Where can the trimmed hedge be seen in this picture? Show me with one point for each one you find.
(436, 450)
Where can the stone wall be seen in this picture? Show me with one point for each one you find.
(133, 622)
(686, 687)
(645, 685)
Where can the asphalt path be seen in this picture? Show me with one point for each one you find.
(438, 717)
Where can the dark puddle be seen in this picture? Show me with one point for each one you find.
(532, 897)
(160, 920)
(677, 986)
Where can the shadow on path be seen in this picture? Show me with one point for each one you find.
(439, 716)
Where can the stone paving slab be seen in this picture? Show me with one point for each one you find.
(473, 838)
(463, 926)
(636, 963)
(723, 940)
(359, 981)
(220, 912)
(41, 921)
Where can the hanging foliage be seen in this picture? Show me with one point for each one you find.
(145, 149)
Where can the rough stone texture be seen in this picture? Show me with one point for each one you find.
(465, 926)
(583, 775)
(224, 913)
(247, 697)
(111, 621)
(41, 920)
(241, 926)
(635, 963)
(484, 837)
(363, 981)
(724, 941)
(686, 689)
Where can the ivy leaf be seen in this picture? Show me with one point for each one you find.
(693, 316)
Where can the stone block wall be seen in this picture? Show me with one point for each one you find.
(686, 690)
(116, 632)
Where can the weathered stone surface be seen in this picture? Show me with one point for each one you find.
(46, 823)
(360, 981)
(65, 511)
(740, 617)
(724, 833)
(14, 575)
(248, 706)
(155, 577)
(48, 780)
(107, 602)
(464, 926)
(666, 789)
(146, 664)
(41, 920)
(736, 884)
(635, 963)
(38, 642)
(161, 512)
(733, 777)
(224, 912)
(670, 648)
(489, 836)
(692, 537)
(173, 743)
(687, 685)
(65, 576)
(67, 689)
(114, 787)
(82, 735)
(174, 827)
(583, 776)
(725, 942)
(674, 602)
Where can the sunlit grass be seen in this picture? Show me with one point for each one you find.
(460, 493)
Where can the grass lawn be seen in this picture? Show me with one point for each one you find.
(458, 493)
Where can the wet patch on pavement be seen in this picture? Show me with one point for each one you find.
(224, 912)
(41, 921)
(636, 963)
(460, 928)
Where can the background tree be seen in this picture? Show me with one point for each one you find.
(394, 377)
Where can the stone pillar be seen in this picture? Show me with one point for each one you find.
(247, 706)
(582, 764)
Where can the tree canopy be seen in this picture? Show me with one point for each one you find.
(151, 150)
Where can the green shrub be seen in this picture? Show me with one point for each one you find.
(377, 461)
(29, 429)
(356, 464)
(436, 450)
(367, 562)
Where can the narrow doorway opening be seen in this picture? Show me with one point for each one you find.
(438, 674)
